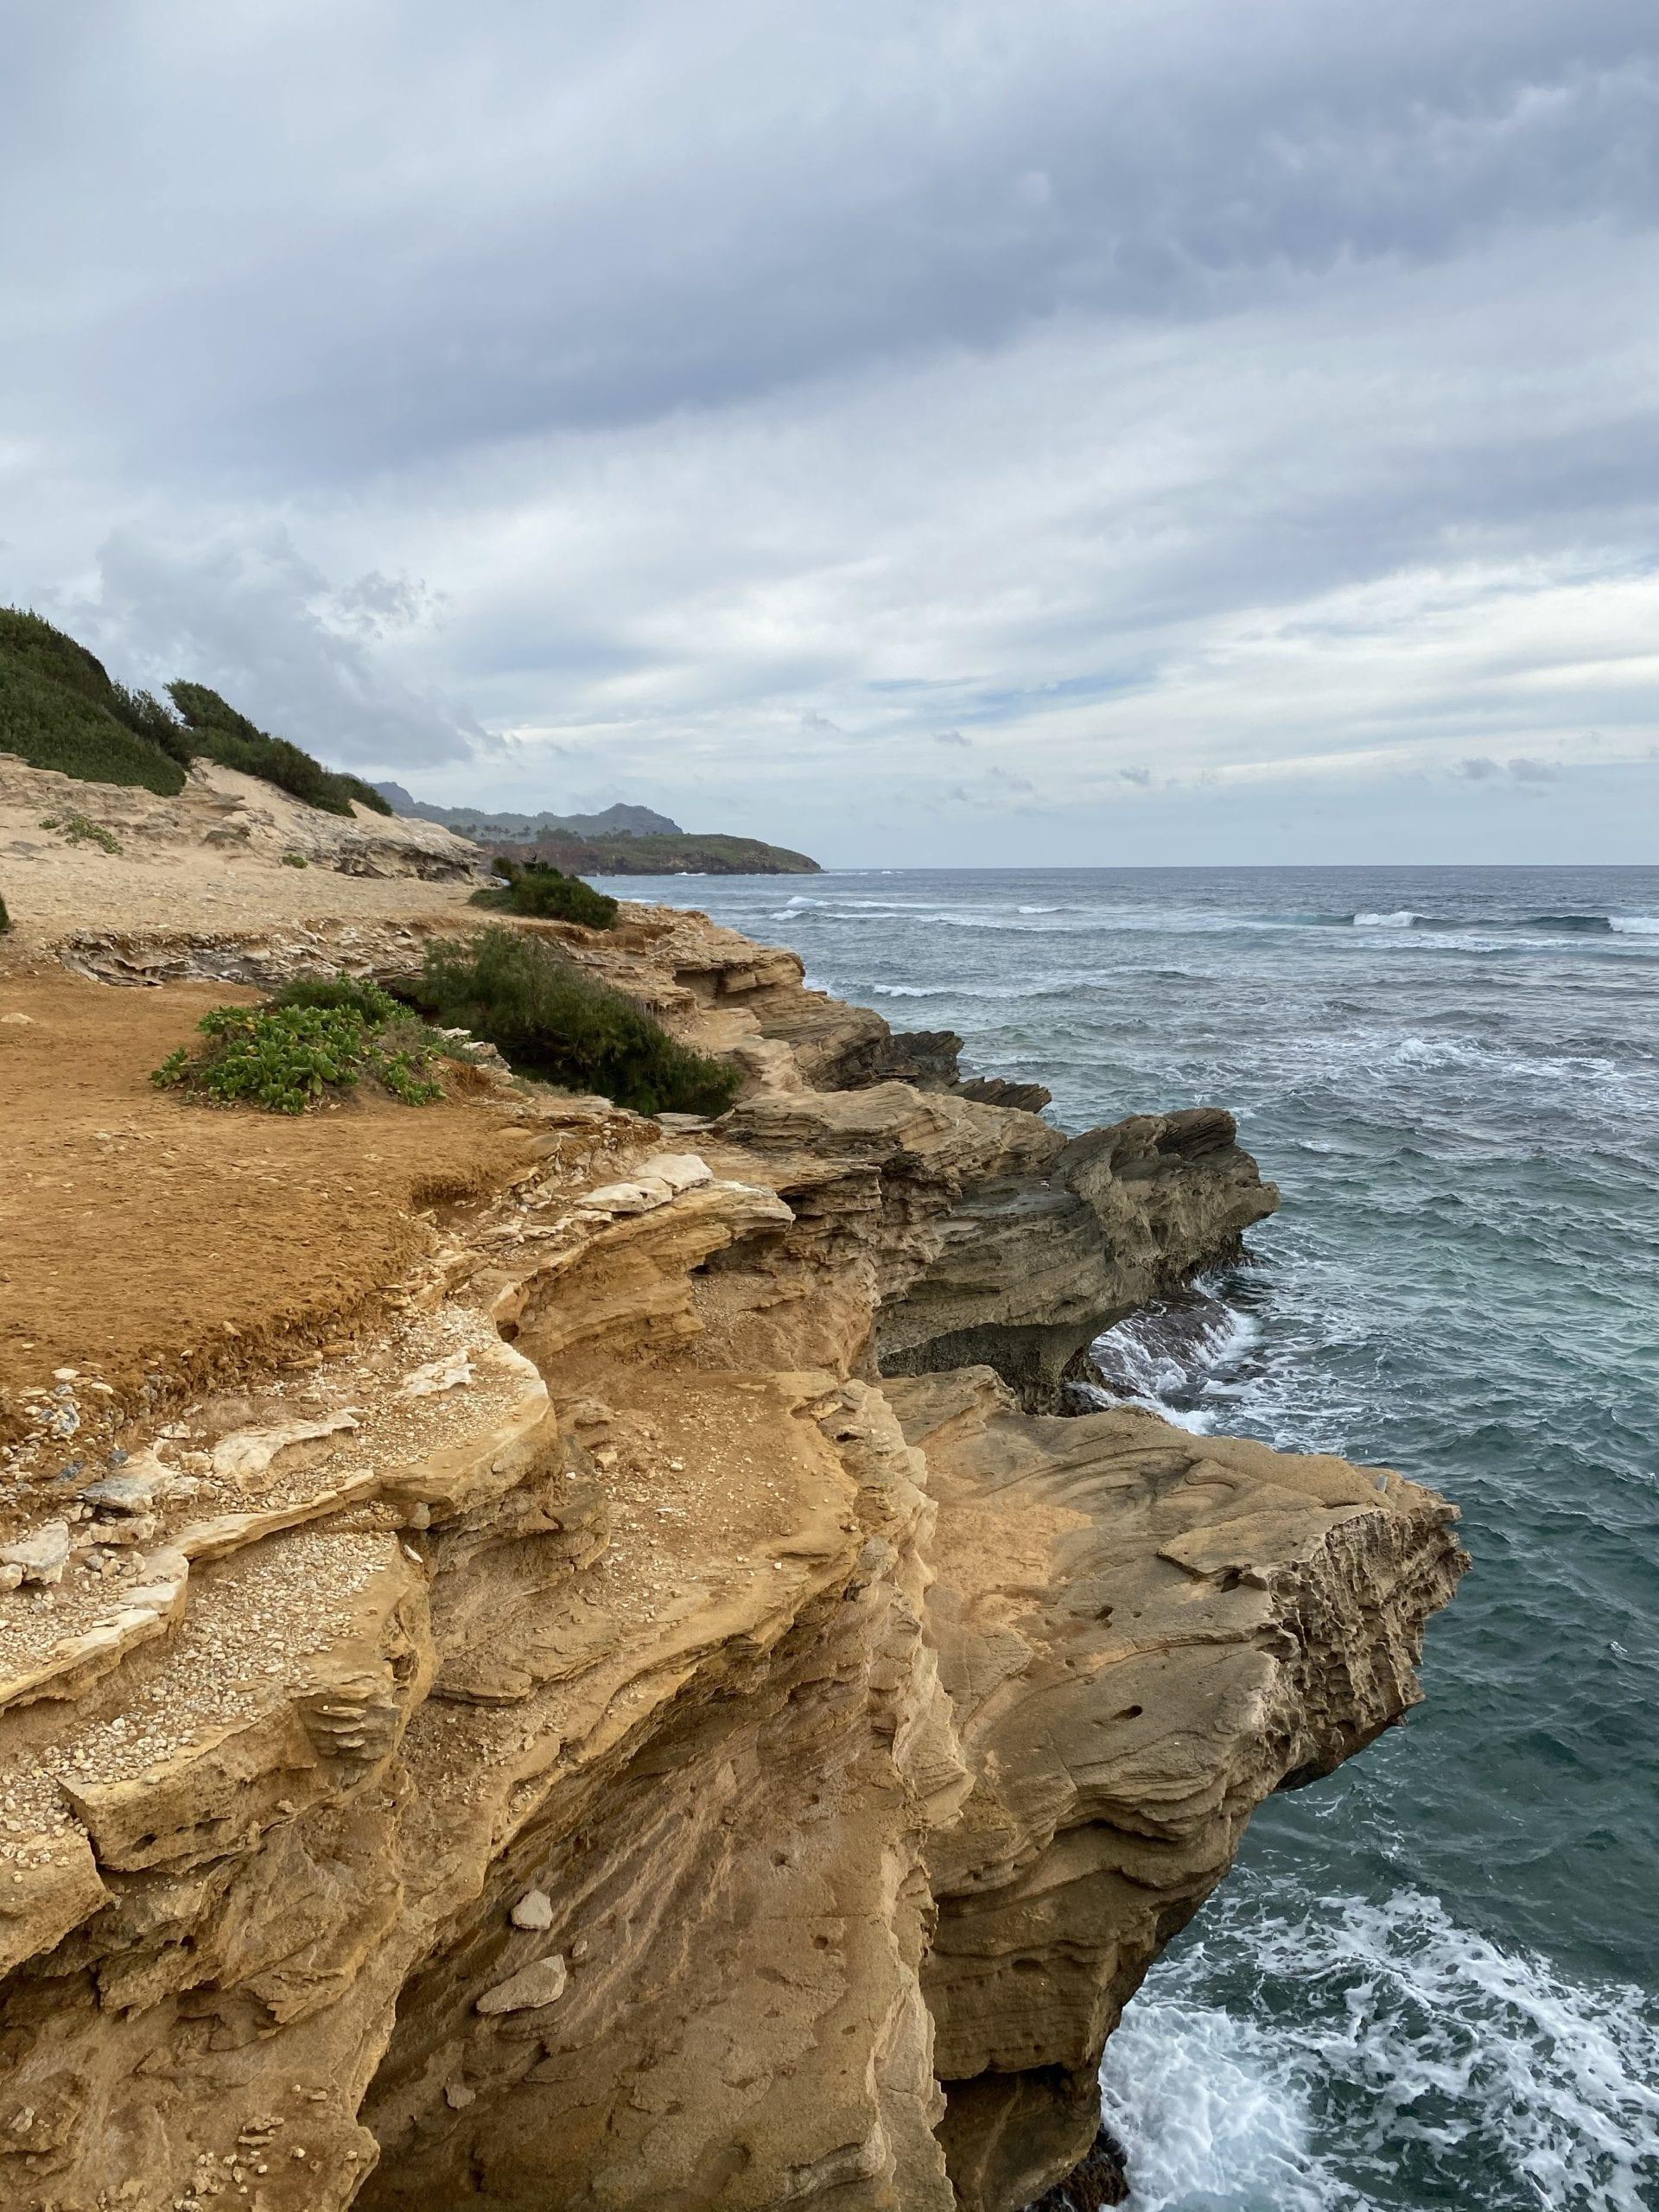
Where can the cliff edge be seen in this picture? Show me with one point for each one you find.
(563, 1659)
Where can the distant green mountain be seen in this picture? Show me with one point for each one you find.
(685, 852)
(622, 841)
(487, 824)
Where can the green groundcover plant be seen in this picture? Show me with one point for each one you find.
(551, 1018)
(80, 831)
(295, 1053)
(546, 894)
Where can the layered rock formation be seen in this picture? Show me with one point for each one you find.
(665, 1716)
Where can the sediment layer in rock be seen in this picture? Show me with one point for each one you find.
(602, 1734)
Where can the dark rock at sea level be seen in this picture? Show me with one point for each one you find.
(1099, 2179)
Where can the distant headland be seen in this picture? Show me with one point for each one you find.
(621, 841)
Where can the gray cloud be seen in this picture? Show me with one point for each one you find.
(586, 253)
(1480, 768)
(1267, 393)
(249, 616)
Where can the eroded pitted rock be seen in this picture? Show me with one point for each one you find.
(575, 1746)
(1143, 1632)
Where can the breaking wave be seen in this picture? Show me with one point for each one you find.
(1171, 1357)
(1406, 917)
(1384, 2030)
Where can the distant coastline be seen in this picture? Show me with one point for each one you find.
(622, 841)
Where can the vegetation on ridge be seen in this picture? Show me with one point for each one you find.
(230, 738)
(60, 709)
(551, 1019)
(547, 894)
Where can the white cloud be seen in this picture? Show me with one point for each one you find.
(245, 613)
(1294, 435)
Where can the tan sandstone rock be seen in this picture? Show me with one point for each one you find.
(706, 1746)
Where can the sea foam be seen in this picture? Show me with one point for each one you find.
(1400, 2024)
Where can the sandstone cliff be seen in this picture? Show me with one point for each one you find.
(650, 1708)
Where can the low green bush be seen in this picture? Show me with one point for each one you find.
(550, 1018)
(5, 918)
(358, 994)
(546, 894)
(80, 831)
(294, 860)
(288, 1059)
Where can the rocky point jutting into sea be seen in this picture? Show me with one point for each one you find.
(569, 1659)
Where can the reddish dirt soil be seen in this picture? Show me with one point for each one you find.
(138, 1231)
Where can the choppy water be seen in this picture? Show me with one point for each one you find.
(1433, 1980)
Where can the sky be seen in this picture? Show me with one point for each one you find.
(1114, 431)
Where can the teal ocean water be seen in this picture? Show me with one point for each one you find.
(1433, 1979)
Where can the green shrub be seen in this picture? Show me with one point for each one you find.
(294, 860)
(547, 894)
(230, 738)
(356, 995)
(5, 918)
(364, 793)
(287, 1058)
(203, 710)
(145, 716)
(59, 709)
(551, 1019)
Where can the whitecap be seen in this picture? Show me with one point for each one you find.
(1402, 920)
(1414, 2043)
(1637, 924)
(1209, 2114)
(1166, 1355)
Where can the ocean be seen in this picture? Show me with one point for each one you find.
(1432, 1981)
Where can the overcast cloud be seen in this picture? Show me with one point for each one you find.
(1137, 431)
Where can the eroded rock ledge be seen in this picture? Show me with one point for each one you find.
(668, 1719)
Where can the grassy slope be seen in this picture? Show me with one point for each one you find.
(59, 709)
